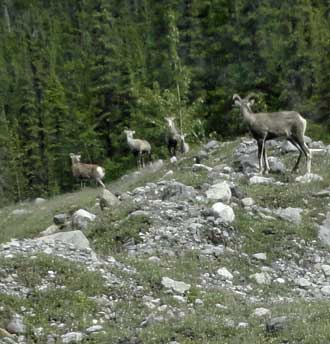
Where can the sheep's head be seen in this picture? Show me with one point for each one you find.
(170, 121)
(245, 102)
(129, 133)
(75, 157)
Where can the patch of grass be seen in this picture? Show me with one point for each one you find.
(31, 271)
(272, 237)
(39, 217)
(114, 228)
(66, 299)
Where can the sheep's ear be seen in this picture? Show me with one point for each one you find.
(237, 103)
(251, 102)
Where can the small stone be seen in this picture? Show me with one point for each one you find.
(260, 256)
(261, 180)
(325, 290)
(180, 298)
(49, 230)
(108, 199)
(276, 324)
(176, 286)
(224, 212)
(16, 325)
(247, 202)
(290, 214)
(94, 328)
(201, 167)
(154, 259)
(326, 269)
(219, 192)
(72, 337)
(308, 178)
(81, 219)
(242, 325)
(262, 278)
(303, 282)
(60, 219)
(261, 312)
(225, 274)
(39, 201)
(199, 302)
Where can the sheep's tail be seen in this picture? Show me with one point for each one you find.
(101, 171)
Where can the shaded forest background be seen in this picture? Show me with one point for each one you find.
(74, 74)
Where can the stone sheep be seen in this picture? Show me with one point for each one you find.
(86, 171)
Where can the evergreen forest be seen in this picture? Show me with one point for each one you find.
(75, 73)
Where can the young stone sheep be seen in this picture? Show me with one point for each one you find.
(86, 171)
(173, 138)
(269, 125)
(138, 147)
(184, 147)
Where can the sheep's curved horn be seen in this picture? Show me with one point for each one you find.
(251, 95)
(236, 96)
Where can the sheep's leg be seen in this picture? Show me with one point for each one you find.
(169, 147)
(264, 154)
(100, 182)
(307, 153)
(174, 149)
(266, 161)
(300, 150)
(259, 142)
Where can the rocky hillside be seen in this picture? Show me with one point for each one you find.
(181, 252)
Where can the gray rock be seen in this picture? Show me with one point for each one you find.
(325, 290)
(288, 147)
(242, 324)
(201, 167)
(76, 238)
(108, 199)
(200, 156)
(262, 312)
(262, 278)
(20, 212)
(225, 274)
(39, 201)
(326, 269)
(211, 145)
(303, 282)
(219, 192)
(176, 286)
(94, 328)
(72, 337)
(176, 190)
(248, 163)
(224, 212)
(49, 230)
(82, 218)
(16, 325)
(276, 324)
(60, 219)
(308, 178)
(324, 231)
(157, 165)
(247, 202)
(276, 165)
(261, 180)
(260, 256)
(290, 214)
